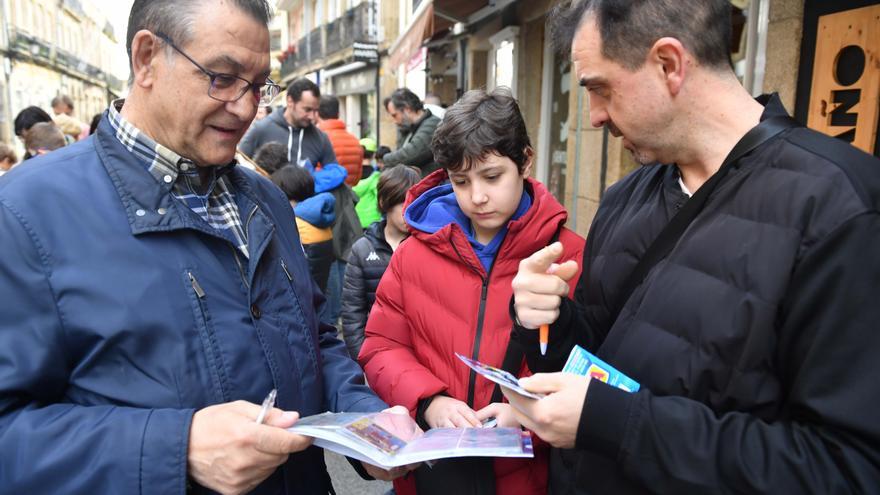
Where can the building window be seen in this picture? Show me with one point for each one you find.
(275, 40)
(749, 44)
(503, 59)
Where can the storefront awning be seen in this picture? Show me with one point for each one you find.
(431, 17)
(420, 28)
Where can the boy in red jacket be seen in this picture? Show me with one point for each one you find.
(448, 288)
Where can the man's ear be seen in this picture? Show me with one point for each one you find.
(670, 58)
(145, 49)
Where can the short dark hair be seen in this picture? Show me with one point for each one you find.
(329, 107)
(175, 18)
(271, 157)
(44, 136)
(28, 117)
(296, 182)
(479, 124)
(393, 185)
(381, 151)
(62, 99)
(629, 28)
(93, 126)
(300, 86)
(404, 98)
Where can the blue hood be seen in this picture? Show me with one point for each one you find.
(319, 210)
(437, 208)
(329, 177)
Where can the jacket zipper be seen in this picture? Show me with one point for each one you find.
(195, 285)
(286, 271)
(478, 337)
(235, 253)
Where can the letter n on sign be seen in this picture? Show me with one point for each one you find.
(846, 77)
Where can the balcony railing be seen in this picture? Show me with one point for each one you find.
(356, 24)
(22, 44)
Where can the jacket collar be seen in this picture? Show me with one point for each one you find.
(149, 204)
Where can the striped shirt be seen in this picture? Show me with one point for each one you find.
(213, 202)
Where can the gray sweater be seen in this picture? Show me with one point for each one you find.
(316, 146)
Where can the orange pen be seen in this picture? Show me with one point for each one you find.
(544, 338)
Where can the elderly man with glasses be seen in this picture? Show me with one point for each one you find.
(154, 292)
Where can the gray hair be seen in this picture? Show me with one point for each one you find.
(176, 18)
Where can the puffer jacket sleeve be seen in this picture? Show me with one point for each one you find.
(354, 300)
(391, 366)
(56, 447)
(827, 357)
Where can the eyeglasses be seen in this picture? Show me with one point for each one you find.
(228, 87)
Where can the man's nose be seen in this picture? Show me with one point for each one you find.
(245, 108)
(598, 115)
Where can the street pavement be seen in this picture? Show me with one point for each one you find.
(347, 482)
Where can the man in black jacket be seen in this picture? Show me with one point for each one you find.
(754, 339)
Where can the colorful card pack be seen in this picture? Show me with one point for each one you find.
(582, 362)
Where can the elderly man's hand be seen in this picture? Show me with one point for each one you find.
(539, 286)
(406, 429)
(230, 453)
(554, 418)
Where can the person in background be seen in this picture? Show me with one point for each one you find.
(368, 165)
(62, 107)
(95, 121)
(42, 138)
(750, 323)
(435, 105)
(294, 128)
(346, 229)
(447, 289)
(367, 207)
(26, 119)
(371, 253)
(8, 158)
(271, 157)
(262, 113)
(348, 150)
(415, 128)
(381, 151)
(315, 214)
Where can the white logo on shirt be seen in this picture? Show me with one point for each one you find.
(373, 256)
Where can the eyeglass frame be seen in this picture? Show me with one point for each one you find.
(214, 75)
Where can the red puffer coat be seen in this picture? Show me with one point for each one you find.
(428, 307)
(347, 148)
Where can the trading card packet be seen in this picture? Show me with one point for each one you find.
(582, 362)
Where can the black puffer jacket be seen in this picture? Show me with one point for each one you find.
(367, 263)
(755, 341)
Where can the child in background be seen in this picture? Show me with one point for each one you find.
(8, 158)
(367, 207)
(314, 217)
(368, 166)
(447, 289)
(371, 253)
(381, 151)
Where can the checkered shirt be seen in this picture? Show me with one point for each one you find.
(214, 202)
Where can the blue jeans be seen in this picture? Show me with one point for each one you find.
(330, 313)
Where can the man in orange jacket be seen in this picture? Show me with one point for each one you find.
(346, 145)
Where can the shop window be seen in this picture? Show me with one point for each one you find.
(502, 58)
(749, 42)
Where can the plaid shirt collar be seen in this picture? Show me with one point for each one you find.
(213, 201)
